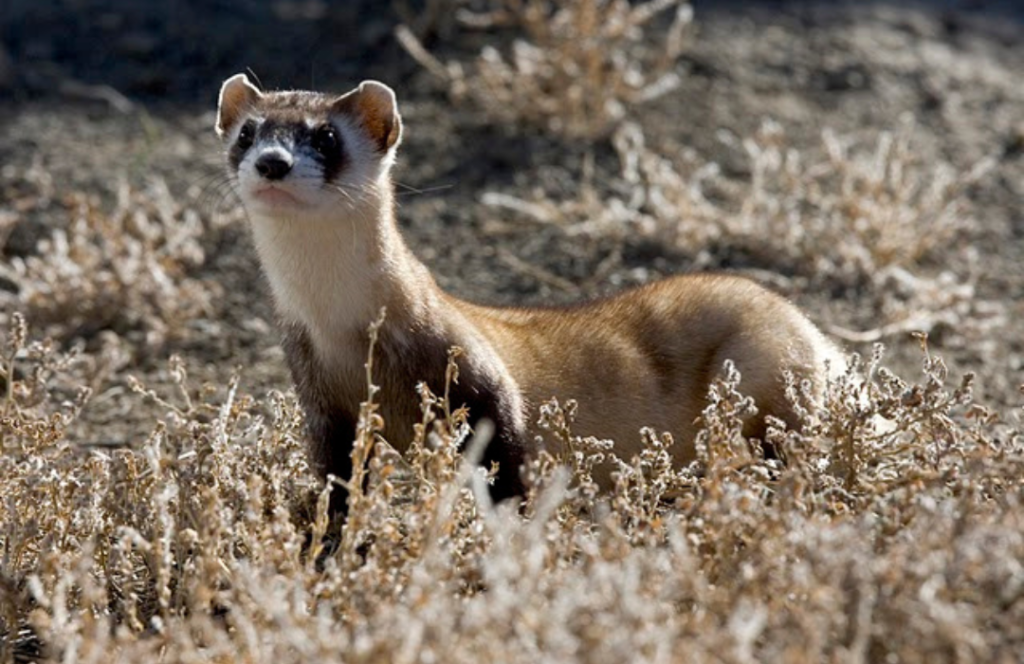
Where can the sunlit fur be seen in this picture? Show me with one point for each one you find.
(322, 255)
(642, 358)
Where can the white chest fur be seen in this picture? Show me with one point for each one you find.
(324, 272)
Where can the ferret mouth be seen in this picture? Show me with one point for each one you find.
(275, 196)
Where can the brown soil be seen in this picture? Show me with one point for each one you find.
(96, 91)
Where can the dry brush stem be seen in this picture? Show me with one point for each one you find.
(206, 541)
(573, 68)
(879, 207)
(128, 271)
(868, 215)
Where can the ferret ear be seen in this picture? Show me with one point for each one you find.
(374, 105)
(236, 95)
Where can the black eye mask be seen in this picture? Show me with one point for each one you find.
(324, 142)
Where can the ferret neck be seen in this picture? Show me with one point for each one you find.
(332, 272)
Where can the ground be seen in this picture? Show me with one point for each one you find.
(855, 69)
(101, 99)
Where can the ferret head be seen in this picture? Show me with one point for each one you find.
(301, 152)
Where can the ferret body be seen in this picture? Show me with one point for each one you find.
(312, 171)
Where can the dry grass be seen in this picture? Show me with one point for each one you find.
(208, 542)
(572, 68)
(207, 539)
(847, 213)
(877, 205)
(128, 271)
(866, 216)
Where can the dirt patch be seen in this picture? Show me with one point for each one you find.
(865, 160)
(80, 117)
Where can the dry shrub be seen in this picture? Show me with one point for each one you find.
(867, 217)
(572, 68)
(848, 218)
(859, 211)
(128, 271)
(37, 408)
(209, 542)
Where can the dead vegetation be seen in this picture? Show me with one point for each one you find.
(128, 272)
(206, 538)
(868, 218)
(571, 68)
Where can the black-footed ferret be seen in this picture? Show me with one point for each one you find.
(312, 171)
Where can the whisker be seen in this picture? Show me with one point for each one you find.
(214, 191)
(340, 190)
(410, 190)
(254, 77)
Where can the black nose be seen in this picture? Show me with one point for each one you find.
(272, 166)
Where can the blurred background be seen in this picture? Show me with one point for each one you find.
(174, 51)
(864, 159)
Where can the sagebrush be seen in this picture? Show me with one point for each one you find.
(889, 528)
(211, 540)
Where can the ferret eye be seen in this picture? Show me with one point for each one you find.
(325, 140)
(246, 135)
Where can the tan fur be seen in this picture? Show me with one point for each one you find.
(645, 357)
(642, 358)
